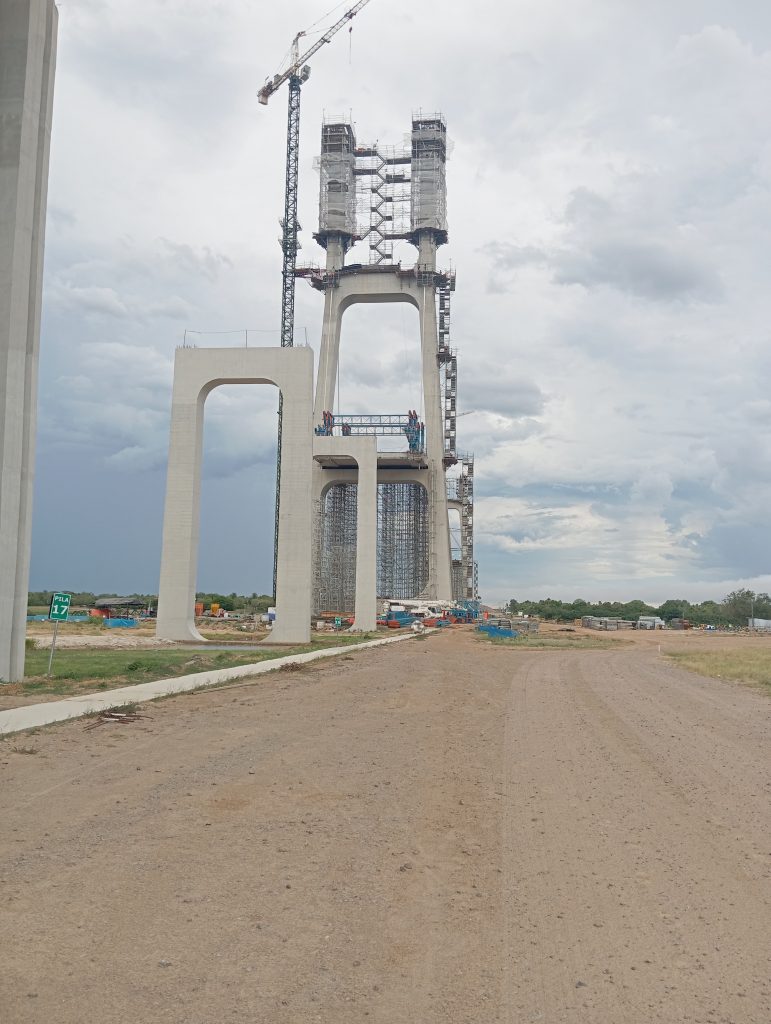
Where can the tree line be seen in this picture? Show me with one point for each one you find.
(255, 604)
(734, 610)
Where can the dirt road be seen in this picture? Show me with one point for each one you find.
(440, 831)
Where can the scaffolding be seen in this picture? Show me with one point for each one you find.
(402, 545)
(385, 197)
(449, 388)
(334, 587)
(443, 296)
(466, 495)
(460, 490)
(337, 181)
(448, 370)
(457, 580)
(403, 542)
(427, 174)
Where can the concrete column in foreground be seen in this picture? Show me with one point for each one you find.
(196, 373)
(27, 63)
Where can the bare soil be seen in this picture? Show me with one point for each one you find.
(439, 832)
(94, 634)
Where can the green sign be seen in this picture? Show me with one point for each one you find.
(338, 622)
(60, 607)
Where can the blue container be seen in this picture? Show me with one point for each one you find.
(493, 630)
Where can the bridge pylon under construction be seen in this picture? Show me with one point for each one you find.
(403, 192)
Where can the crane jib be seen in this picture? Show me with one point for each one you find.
(278, 80)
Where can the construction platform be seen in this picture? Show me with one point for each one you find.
(385, 460)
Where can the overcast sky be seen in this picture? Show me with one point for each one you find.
(609, 209)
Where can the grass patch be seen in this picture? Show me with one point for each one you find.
(749, 666)
(89, 669)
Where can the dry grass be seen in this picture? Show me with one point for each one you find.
(91, 669)
(747, 666)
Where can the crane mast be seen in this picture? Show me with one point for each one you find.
(296, 75)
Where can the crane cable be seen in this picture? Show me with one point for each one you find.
(324, 18)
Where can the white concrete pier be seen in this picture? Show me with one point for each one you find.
(27, 62)
(196, 373)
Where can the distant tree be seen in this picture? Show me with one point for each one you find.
(634, 609)
(673, 609)
(708, 613)
(737, 606)
(226, 603)
(740, 605)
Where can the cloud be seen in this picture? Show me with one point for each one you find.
(599, 250)
(100, 301)
(609, 219)
(647, 269)
(203, 262)
(505, 393)
(175, 308)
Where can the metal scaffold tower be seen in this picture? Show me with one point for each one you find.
(402, 558)
(466, 495)
(448, 367)
(334, 587)
(460, 491)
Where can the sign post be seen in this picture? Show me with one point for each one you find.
(58, 612)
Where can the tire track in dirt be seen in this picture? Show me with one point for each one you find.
(443, 831)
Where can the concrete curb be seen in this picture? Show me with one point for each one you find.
(35, 715)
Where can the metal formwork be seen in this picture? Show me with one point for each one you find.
(429, 188)
(337, 181)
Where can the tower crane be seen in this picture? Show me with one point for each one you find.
(296, 75)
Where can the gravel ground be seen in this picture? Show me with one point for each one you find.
(439, 832)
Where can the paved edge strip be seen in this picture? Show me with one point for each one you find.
(35, 715)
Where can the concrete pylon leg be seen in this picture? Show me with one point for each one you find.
(365, 615)
(27, 61)
(295, 529)
(440, 560)
(196, 373)
(329, 355)
(182, 513)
